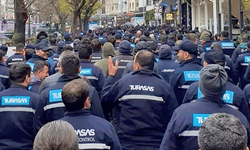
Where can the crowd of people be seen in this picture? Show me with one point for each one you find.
(129, 88)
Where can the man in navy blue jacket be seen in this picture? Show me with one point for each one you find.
(91, 72)
(241, 65)
(182, 130)
(166, 66)
(233, 96)
(189, 70)
(50, 106)
(4, 73)
(144, 103)
(17, 109)
(19, 55)
(42, 54)
(93, 132)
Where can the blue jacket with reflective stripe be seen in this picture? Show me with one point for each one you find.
(50, 106)
(18, 106)
(96, 56)
(233, 96)
(182, 77)
(16, 58)
(166, 68)
(92, 130)
(144, 104)
(240, 68)
(182, 130)
(93, 74)
(4, 76)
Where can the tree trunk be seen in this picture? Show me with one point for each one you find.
(74, 23)
(21, 17)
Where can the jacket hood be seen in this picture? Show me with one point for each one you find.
(34, 80)
(108, 50)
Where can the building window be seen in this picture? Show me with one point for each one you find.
(133, 5)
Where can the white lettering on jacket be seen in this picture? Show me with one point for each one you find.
(85, 132)
(141, 88)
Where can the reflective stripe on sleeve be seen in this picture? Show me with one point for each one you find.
(189, 133)
(142, 97)
(23, 109)
(51, 106)
(93, 146)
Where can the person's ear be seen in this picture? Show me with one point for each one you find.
(79, 69)
(247, 148)
(205, 63)
(87, 104)
(60, 68)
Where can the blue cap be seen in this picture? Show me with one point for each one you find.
(43, 46)
(125, 47)
(66, 35)
(30, 46)
(187, 46)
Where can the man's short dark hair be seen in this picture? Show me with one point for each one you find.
(68, 48)
(18, 72)
(112, 40)
(74, 94)
(53, 41)
(145, 59)
(96, 45)
(39, 66)
(86, 41)
(164, 38)
(224, 34)
(2, 54)
(70, 65)
(19, 47)
(84, 51)
(222, 132)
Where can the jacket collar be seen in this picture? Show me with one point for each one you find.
(195, 61)
(146, 72)
(82, 112)
(65, 78)
(19, 86)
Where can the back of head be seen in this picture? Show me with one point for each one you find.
(108, 50)
(84, 51)
(245, 38)
(19, 47)
(70, 65)
(4, 48)
(191, 37)
(96, 45)
(224, 34)
(145, 59)
(146, 33)
(53, 41)
(215, 57)
(56, 135)
(1, 55)
(205, 36)
(111, 39)
(222, 132)
(213, 78)
(18, 72)
(141, 45)
(216, 45)
(68, 48)
(125, 47)
(74, 94)
(164, 38)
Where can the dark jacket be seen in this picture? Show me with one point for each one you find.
(241, 49)
(233, 96)
(228, 46)
(182, 130)
(99, 131)
(96, 56)
(144, 108)
(123, 60)
(33, 60)
(35, 84)
(240, 68)
(14, 59)
(18, 107)
(188, 73)
(50, 106)
(4, 76)
(93, 74)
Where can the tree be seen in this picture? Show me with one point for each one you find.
(149, 16)
(89, 9)
(75, 6)
(21, 16)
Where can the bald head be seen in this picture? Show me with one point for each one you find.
(144, 60)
